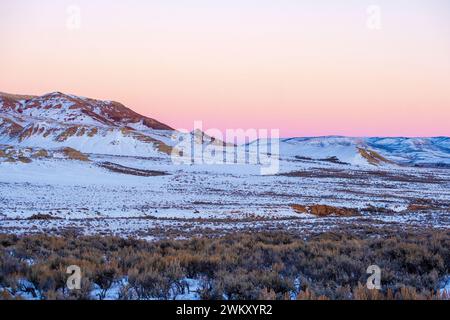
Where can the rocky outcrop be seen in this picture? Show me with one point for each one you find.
(9, 127)
(427, 204)
(325, 210)
(373, 157)
(75, 154)
(27, 155)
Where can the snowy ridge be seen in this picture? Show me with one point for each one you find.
(58, 120)
(405, 151)
(78, 110)
(104, 171)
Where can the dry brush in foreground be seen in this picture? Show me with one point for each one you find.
(236, 266)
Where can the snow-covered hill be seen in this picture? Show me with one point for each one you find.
(71, 163)
(362, 151)
(57, 120)
(70, 109)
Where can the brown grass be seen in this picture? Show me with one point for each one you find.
(75, 154)
(40, 154)
(373, 157)
(70, 132)
(24, 159)
(48, 132)
(13, 129)
(160, 146)
(238, 266)
(25, 134)
(92, 132)
(81, 132)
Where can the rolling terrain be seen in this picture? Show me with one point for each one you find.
(69, 162)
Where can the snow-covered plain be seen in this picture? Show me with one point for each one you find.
(211, 199)
(132, 187)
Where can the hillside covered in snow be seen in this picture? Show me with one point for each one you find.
(70, 162)
(57, 120)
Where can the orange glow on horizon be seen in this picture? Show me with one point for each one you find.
(306, 67)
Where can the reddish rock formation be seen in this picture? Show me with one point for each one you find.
(324, 210)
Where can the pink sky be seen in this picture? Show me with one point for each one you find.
(305, 67)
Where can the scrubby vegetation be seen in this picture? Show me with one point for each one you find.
(74, 154)
(237, 266)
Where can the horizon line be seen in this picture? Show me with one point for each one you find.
(238, 128)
